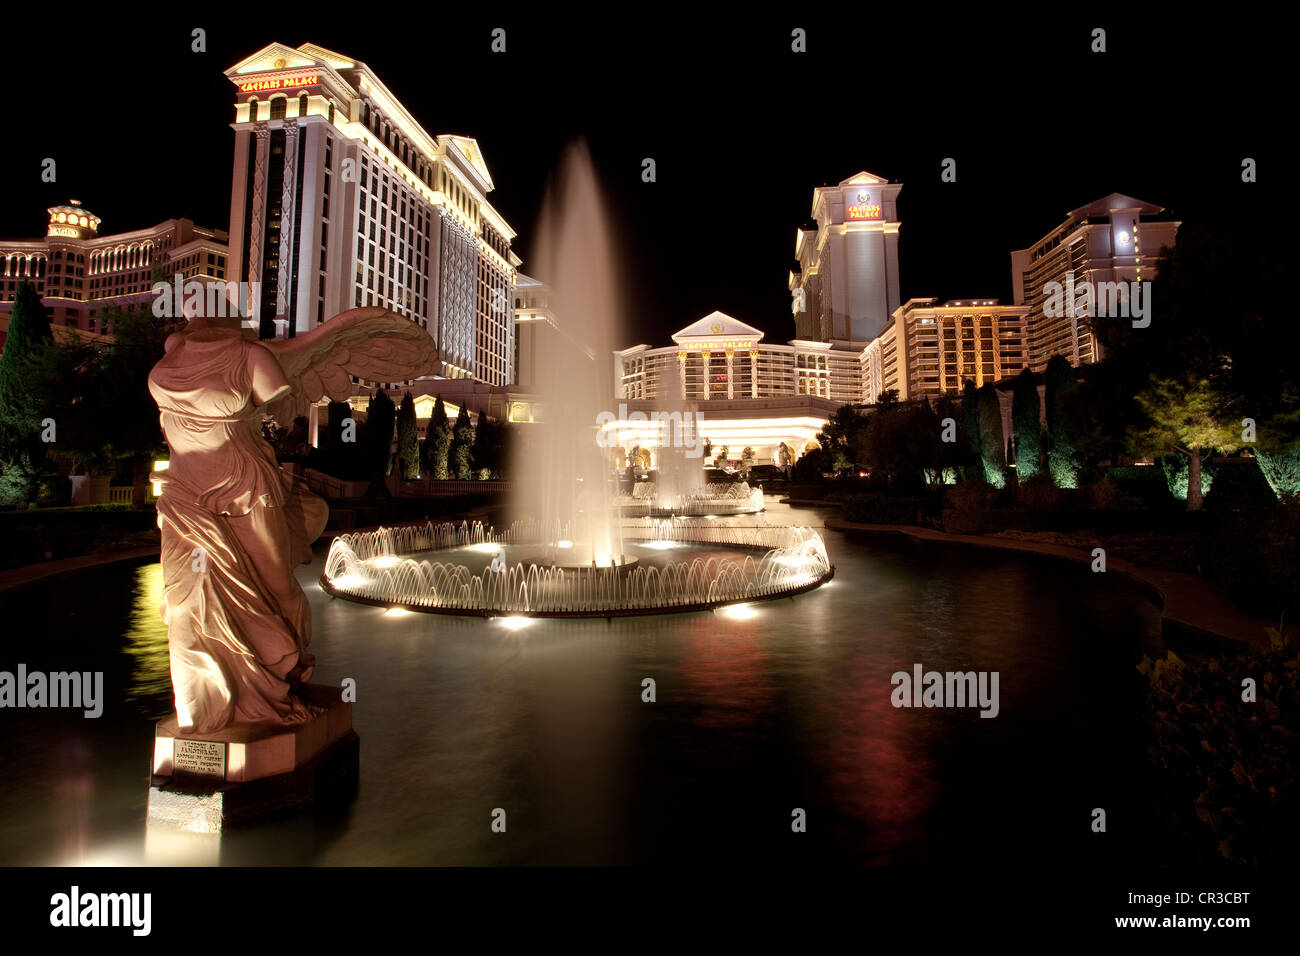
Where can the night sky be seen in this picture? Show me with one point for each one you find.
(741, 129)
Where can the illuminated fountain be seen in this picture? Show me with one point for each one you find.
(570, 487)
(715, 498)
(582, 551)
(471, 569)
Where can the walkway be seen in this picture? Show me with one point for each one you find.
(17, 577)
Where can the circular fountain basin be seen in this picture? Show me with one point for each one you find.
(672, 567)
(565, 555)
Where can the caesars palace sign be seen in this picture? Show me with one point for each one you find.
(288, 82)
(862, 206)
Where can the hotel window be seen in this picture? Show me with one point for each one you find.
(278, 107)
(252, 109)
(302, 104)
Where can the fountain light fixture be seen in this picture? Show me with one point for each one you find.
(396, 612)
(384, 561)
(739, 612)
(515, 622)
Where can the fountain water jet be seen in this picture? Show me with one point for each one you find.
(570, 483)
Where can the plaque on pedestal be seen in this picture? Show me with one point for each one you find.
(206, 782)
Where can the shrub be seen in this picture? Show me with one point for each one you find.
(970, 496)
(808, 470)
(54, 491)
(873, 508)
(1228, 767)
(1239, 487)
(1039, 493)
(1175, 469)
(1256, 557)
(1281, 468)
(1102, 494)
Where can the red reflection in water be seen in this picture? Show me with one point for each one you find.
(74, 794)
(880, 769)
(724, 664)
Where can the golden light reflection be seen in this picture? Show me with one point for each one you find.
(146, 639)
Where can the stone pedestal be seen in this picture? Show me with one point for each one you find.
(204, 783)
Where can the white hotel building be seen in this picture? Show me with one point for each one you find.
(341, 199)
(855, 340)
(1115, 239)
(844, 285)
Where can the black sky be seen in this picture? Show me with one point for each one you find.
(741, 129)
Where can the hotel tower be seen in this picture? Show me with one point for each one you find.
(844, 284)
(341, 199)
(1115, 239)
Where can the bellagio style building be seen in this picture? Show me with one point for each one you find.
(341, 199)
(80, 272)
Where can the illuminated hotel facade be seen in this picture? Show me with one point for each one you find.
(79, 273)
(750, 393)
(844, 284)
(341, 199)
(929, 349)
(1115, 239)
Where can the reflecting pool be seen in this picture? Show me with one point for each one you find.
(759, 710)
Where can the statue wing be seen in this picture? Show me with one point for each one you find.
(370, 343)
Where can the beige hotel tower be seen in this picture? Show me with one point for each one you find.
(340, 198)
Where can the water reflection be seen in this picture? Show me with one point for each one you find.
(146, 638)
(754, 715)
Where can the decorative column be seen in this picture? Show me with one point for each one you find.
(708, 385)
(753, 373)
(731, 389)
(994, 330)
(286, 225)
(258, 172)
(938, 327)
(681, 374)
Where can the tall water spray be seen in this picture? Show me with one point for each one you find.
(568, 483)
(680, 473)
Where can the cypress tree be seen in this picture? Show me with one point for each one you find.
(437, 442)
(1062, 385)
(973, 462)
(408, 439)
(380, 416)
(1025, 421)
(486, 452)
(462, 441)
(991, 443)
(22, 453)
